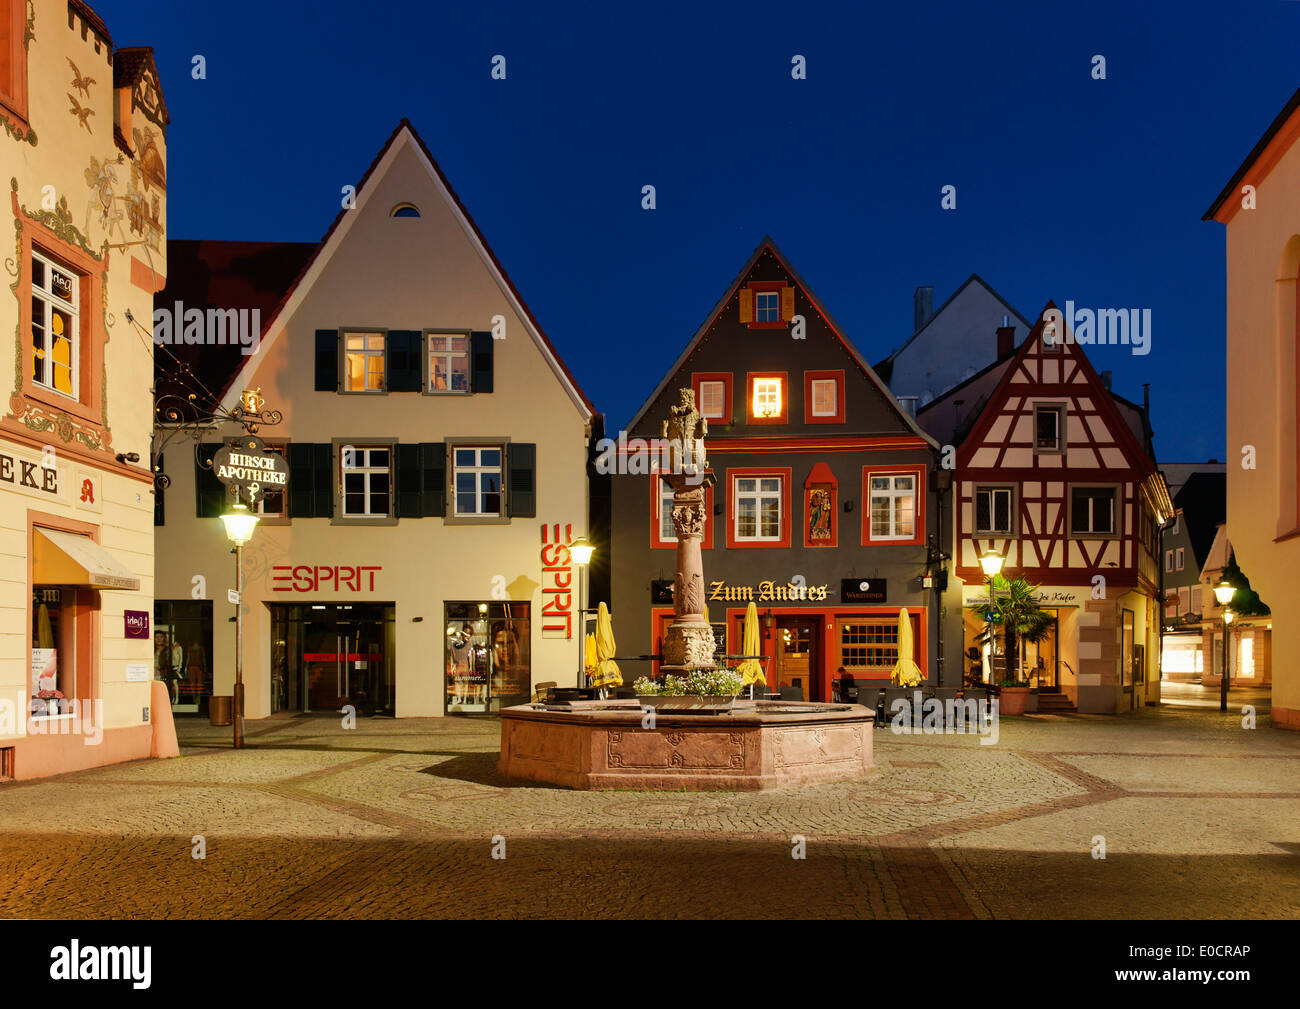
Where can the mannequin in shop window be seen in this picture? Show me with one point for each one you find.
(167, 663)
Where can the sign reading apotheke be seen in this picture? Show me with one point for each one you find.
(246, 464)
(30, 476)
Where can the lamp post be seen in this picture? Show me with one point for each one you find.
(582, 550)
(1224, 592)
(991, 562)
(239, 523)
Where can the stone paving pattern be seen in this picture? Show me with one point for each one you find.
(395, 819)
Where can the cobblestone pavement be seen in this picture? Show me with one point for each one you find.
(395, 818)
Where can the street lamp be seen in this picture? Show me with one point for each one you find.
(239, 523)
(581, 550)
(991, 562)
(1224, 592)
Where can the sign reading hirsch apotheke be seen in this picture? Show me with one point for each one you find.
(246, 464)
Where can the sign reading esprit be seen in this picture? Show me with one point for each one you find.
(557, 581)
(246, 464)
(313, 578)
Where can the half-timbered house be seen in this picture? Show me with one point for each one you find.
(1054, 474)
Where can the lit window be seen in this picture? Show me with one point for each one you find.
(767, 306)
(1092, 510)
(1047, 428)
(758, 508)
(363, 362)
(893, 507)
(271, 503)
(767, 397)
(825, 398)
(712, 399)
(477, 480)
(367, 480)
(448, 363)
(993, 510)
(56, 339)
(868, 644)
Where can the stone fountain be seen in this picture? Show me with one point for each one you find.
(618, 744)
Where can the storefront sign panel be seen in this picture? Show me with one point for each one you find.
(318, 577)
(864, 590)
(31, 475)
(766, 592)
(557, 581)
(136, 623)
(1069, 595)
(246, 464)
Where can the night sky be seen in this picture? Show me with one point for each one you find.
(1067, 187)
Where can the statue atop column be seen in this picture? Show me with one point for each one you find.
(688, 640)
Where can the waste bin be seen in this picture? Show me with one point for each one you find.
(221, 709)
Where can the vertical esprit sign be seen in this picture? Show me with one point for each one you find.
(557, 582)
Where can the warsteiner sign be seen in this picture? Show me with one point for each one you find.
(247, 466)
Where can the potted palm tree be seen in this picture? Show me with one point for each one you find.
(1012, 608)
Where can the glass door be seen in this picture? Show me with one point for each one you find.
(1041, 658)
(324, 656)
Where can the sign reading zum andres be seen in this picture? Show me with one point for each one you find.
(248, 466)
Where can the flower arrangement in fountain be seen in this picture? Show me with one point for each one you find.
(700, 683)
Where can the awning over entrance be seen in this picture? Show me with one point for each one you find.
(60, 558)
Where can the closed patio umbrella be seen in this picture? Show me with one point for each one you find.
(589, 655)
(906, 672)
(607, 673)
(751, 669)
(44, 632)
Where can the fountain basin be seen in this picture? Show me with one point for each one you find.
(611, 744)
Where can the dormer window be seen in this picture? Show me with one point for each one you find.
(1047, 429)
(405, 210)
(767, 306)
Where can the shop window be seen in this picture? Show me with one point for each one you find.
(449, 363)
(487, 660)
(183, 652)
(1047, 429)
(868, 645)
(363, 362)
(1092, 511)
(53, 648)
(367, 481)
(758, 508)
(56, 340)
(993, 510)
(713, 395)
(476, 479)
(893, 507)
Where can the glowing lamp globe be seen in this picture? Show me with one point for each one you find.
(1224, 592)
(239, 523)
(582, 551)
(991, 562)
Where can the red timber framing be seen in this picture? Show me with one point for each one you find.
(1098, 450)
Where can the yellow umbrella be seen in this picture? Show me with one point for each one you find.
(906, 672)
(44, 632)
(589, 655)
(607, 674)
(751, 669)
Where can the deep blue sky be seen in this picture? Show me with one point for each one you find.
(1067, 187)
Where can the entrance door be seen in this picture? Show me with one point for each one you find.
(1041, 658)
(326, 656)
(796, 655)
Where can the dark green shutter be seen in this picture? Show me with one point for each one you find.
(403, 348)
(159, 496)
(300, 483)
(209, 492)
(481, 362)
(433, 484)
(408, 478)
(322, 466)
(521, 480)
(327, 360)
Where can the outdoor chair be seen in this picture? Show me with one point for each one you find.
(848, 688)
(791, 693)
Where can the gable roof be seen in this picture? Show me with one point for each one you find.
(1119, 429)
(293, 296)
(974, 278)
(1203, 501)
(1256, 153)
(858, 359)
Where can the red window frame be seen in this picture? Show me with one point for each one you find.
(698, 378)
(781, 418)
(919, 526)
(785, 473)
(656, 542)
(758, 287)
(812, 376)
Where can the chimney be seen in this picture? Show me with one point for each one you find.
(1006, 341)
(922, 307)
(1105, 380)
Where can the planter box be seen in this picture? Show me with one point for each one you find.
(1012, 700)
(687, 702)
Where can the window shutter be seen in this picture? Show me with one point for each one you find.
(407, 474)
(301, 496)
(327, 360)
(746, 305)
(403, 350)
(322, 465)
(433, 484)
(787, 303)
(521, 480)
(209, 492)
(481, 351)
